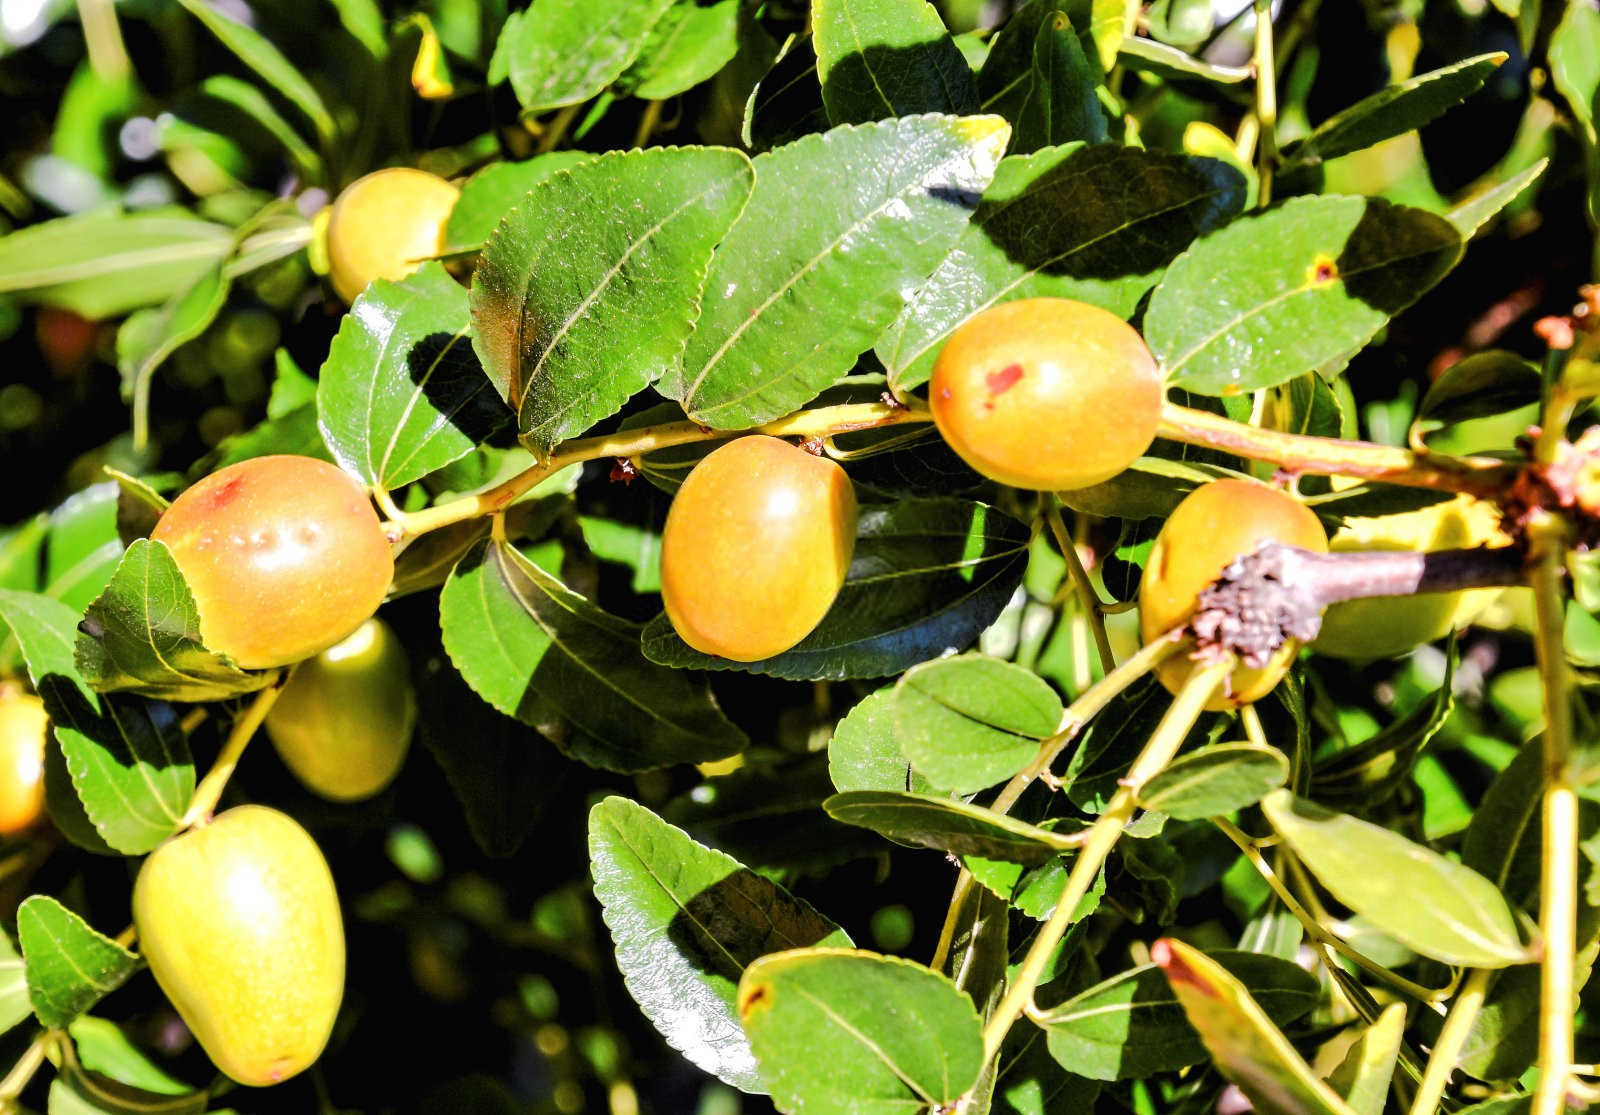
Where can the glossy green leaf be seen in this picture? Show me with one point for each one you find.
(637, 547)
(402, 394)
(103, 264)
(76, 1092)
(687, 920)
(864, 753)
(562, 52)
(1394, 110)
(1215, 780)
(688, 46)
(1433, 905)
(142, 635)
(70, 966)
(1132, 1024)
(14, 1002)
(589, 288)
(819, 263)
(1034, 891)
(148, 337)
(930, 821)
(1503, 841)
(1055, 102)
(1479, 209)
(258, 52)
(104, 1048)
(1575, 63)
(1326, 273)
(253, 103)
(538, 651)
(927, 577)
(1362, 1077)
(495, 190)
(1171, 64)
(886, 58)
(83, 546)
(828, 1028)
(1483, 384)
(1240, 1034)
(1059, 223)
(969, 722)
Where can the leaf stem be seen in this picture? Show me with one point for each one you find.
(1323, 456)
(1087, 598)
(555, 131)
(22, 1072)
(1447, 1050)
(209, 792)
(947, 932)
(1266, 103)
(1203, 681)
(1558, 882)
(1253, 731)
(822, 422)
(647, 123)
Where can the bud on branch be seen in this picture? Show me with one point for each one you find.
(1278, 593)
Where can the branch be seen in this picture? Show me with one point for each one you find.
(1279, 592)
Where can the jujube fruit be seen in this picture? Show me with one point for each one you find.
(240, 923)
(1386, 626)
(385, 225)
(285, 557)
(756, 545)
(24, 730)
(343, 722)
(1216, 523)
(1046, 393)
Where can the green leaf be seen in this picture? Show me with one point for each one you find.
(1034, 891)
(1363, 1077)
(819, 262)
(637, 547)
(1325, 274)
(257, 52)
(1241, 1037)
(1484, 384)
(1476, 211)
(887, 58)
(1050, 97)
(491, 193)
(1110, 26)
(1504, 1040)
(929, 821)
(927, 577)
(1215, 780)
(690, 44)
(148, 337)
(1392, 111)
(1031, 1083)
(829, 1028)
(104, 1048)
(1503, 841)
(786, 102)
(70, 966)
(1132, 1025)
(142, 634)
(76, 1092)
(253, 103)
(589, 288)
(83, 546)
(539, 652)
(969, 722)
(1059, 223)
(1108, 745)
(1575, 63)
(14, 1002)
(1173, 65)
(1370, 771)
(1433, 905)
(864, 753)
(687, 920)
(401, 394)
(562, 52)
(103, 264)
(1149, 488)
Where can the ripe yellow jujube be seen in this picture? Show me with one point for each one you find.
(1046, 394)
(285, 557)
(384, 225)
(1386, 626)
(24, 731)
(343, 723)
(240, 923)
(755, 547)
(1216, 523)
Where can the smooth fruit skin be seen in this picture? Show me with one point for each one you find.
(240, 923)
(1386, 626)
(384, 225)
(756, 545)
(285, 557)
(1046, 393)
(1216, 523)
(343, 723)
(24, 731)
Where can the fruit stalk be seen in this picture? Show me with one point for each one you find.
(824, 422)
(209, 792)
(1324, 456)
(1203, 681)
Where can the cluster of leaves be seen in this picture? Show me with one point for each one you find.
(848, 183)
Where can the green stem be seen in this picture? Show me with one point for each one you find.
(1559, 823)
(102, 38)
(556, 130)
(947, 932)
(22, 1072)
(1447, 1050)
(209, 792)
(1163, 744)
(1266, 103)
(1087, 598)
